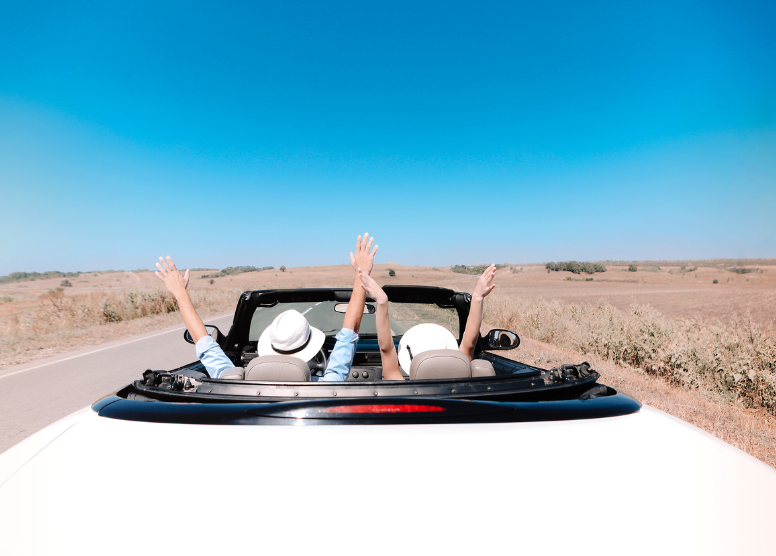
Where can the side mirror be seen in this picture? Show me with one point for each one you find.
(343, 308)
(499, 339)
(212, 331)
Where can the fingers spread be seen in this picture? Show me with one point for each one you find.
(358, 244)
(363, 243)
(172, 264)
(369, 245)
(374, 251)
(164, 264)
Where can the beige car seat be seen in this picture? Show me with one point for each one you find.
(482, 367)
(278, 368)
(448, 363)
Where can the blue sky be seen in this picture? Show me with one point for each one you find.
(273, 133)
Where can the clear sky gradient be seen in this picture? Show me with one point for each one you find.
(273, 133)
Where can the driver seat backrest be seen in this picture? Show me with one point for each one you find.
(278, 368)
(440, 363)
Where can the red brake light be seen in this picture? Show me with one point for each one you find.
(383, 408)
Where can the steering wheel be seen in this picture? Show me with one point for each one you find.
(317, 363)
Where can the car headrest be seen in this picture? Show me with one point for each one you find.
(280, 368)
(440, 363)
(482, 367)
(235, 373)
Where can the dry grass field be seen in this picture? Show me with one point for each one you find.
(669, 336)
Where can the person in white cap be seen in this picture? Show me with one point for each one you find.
(427, 336)
(290, 333)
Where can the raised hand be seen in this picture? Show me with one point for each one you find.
(372, 288)
(175, 282)
(484, 285)
(364, 259)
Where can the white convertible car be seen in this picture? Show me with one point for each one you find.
(492, 457)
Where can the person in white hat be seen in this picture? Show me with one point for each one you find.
(427, 336)
(290, 333)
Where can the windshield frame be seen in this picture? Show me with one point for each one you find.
(238, 336)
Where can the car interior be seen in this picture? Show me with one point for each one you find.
(433, 364)
(438, 373)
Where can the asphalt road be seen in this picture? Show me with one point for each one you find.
(36, 394)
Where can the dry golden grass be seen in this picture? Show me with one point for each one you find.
(59, 322)
(751, 430)
(736, 360)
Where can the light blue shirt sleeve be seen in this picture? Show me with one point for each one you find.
(213, 357)
(341, 358)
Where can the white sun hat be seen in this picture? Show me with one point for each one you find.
(423, 337)
(291, 334)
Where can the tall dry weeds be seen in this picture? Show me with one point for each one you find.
(59, 316)
(737, 359)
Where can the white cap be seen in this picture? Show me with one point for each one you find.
(423, 337)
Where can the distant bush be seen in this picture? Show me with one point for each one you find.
(743, 270)
(716, 281)
(473, 270)
(632, 268)
(576, 267)
(232, 270)
(391, 272)
(66, 284)
(23, 276)
(282, 268)
(212, 281)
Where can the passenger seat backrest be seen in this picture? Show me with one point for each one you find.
(440, 363)
(482, 367)
(279, 368)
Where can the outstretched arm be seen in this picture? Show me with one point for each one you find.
(388, 356)
(364, 260)
(176, 284)
(341, 358)
(208, 351)
(472, 332)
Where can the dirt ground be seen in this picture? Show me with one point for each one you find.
(675, 293)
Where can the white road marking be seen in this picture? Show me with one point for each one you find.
(311, 308)
(103, 349)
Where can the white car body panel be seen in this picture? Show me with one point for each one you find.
(644, 483)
